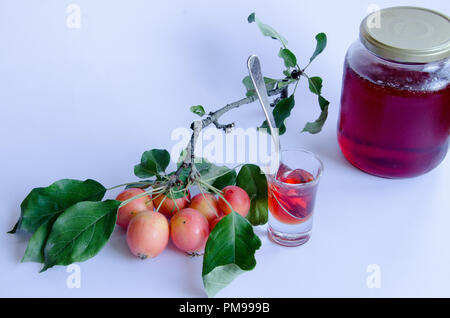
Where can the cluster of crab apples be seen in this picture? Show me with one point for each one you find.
(151, 222)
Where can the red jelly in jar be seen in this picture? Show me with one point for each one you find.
(395, 104)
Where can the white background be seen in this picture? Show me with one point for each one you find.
(85, 103)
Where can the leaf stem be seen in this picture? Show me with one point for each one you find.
(207, 202)
(160, 204)
(216, 191)
(129, 183)
(149, 192)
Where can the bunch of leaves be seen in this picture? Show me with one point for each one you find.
(293, 72)
(68, 221)
(292, 75)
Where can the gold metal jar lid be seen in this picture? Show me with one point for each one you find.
(407, 34)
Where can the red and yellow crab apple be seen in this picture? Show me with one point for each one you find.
(170, 206)
(206, 204)
(237, 198)
(189, 230)
(128, 211)
(148, 234)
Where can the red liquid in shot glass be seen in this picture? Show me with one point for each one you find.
(290, 204)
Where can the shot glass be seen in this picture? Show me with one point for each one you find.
(292, 194)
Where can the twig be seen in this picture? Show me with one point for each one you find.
(213, 118)
(226, 128)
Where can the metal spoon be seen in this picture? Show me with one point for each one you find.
(254, 69)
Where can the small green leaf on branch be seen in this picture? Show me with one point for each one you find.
(153, 162)
(198, 110)
(321, 39)
(280, 113)
(218, 176)
(267, 30)
(248, 83)
(251, 18)
(316, 126)
(315, 85)
(290, 60)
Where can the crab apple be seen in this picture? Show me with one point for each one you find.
(148, 234)
(189, 230)
(237, 198)
(128, 211)
(206, 204)
(215, 221)
(170, 206)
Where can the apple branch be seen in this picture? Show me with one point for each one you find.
(213, 118)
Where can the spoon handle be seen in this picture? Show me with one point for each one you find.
(254, 69)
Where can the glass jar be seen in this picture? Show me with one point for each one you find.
(395, 104)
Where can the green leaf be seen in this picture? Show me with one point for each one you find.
(248, 83)
(254, 182)
(227, 177)
(290, 60)
(36, 244)
(152, 163)
(251, 18)
(202, 164)
(280, 113)
(218, 176)
(267, 30)
(42, 204)
(270, 83)
(80, 232)
(315, 85)
(287, 73)
(323, 103)
(220, 278)
(230, 251)
(198, 110)
(321, 39)
(316, 126)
